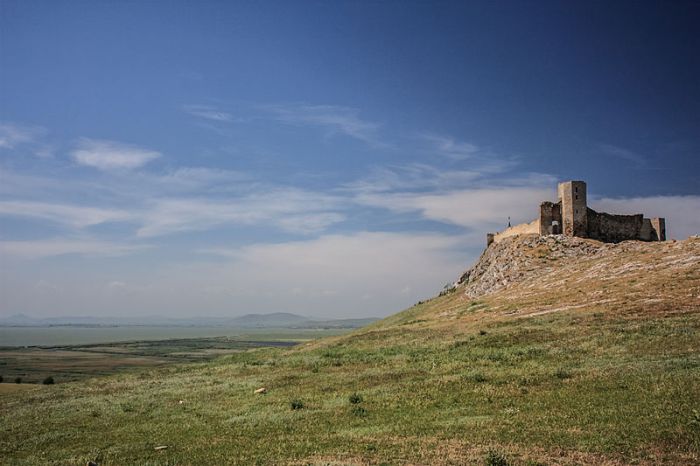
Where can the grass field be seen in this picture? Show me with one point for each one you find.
(74, 362)
(14, 388)
(527, 375)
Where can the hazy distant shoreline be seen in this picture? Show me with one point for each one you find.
(104, 325)
(58, 335)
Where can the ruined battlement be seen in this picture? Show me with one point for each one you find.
(571, 216)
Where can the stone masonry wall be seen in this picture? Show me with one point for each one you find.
(522, 229)
(647, 233)
(550, 212)
(611, 228)
(572, 196)
(659, 227)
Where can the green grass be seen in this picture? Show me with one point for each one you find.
(76, 362)
(456, 396)
(449, 381)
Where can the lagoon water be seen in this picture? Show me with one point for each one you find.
(78, 335)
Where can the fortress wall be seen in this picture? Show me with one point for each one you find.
(550, 212)
(653, 229)
(522, 229)
(647, 232)
(611, 228)
(659, 226)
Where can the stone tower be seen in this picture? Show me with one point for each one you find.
(574, 210)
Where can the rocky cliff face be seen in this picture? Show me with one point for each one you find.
(521, 257)
(529, 275)
(536, 261)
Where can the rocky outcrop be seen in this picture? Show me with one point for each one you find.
(521, 257)
(538, 261)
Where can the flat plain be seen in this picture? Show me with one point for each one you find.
(69, 335)
(67, 363)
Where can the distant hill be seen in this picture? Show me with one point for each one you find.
(17, 319)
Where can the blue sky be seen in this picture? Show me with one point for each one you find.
(335, 159)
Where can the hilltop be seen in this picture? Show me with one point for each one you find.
(549, 350)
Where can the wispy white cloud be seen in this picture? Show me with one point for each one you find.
(481, 202)
(45, 287)
(13, 135)
(471, 198)
(208, 112)
(450, 147)
(61, 246)
(198, 179)
(479, 208)
(624, 154)
(183, 200)
(116, 285)
(111, 155)
(331, 274)
(128, 186)
(310, 223)
(413, 177)
(292, 210)
(332, 118)
(28, 139)
(72, 215)
(45, 151)
(20, 184)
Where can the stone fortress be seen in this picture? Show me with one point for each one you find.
(571, 216)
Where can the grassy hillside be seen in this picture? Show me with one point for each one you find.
(75, 362)
(551, 351)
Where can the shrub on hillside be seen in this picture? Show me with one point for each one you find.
(495, 458)
(695, 419)
(447, 289)
(48, 381)
(355, 398)
(297, 404)
(18, 379)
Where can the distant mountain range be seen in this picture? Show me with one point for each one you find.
(273, 320)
